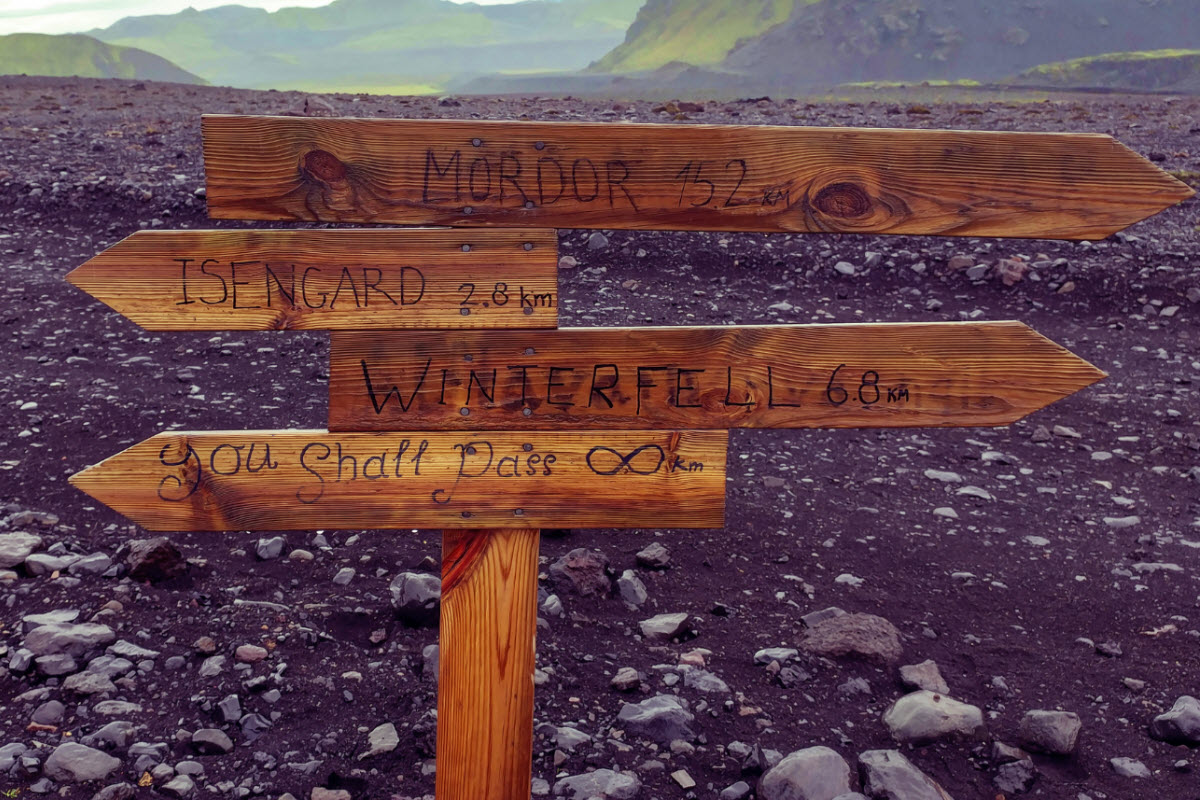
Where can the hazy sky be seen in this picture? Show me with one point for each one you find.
(71, 16)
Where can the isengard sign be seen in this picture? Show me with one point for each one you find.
(449, 408)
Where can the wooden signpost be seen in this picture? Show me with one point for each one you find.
(492, 434)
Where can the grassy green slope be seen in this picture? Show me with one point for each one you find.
(1155, 70)
(79, 55)
(699, 32)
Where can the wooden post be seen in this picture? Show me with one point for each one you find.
(485, 685)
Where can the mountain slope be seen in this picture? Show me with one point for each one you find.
(352, 44)
(837, 41)
(699, 32)
(78, 55)
(1157, 70)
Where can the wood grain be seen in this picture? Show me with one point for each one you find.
(782, 376)
(297, 480)
(328, 279)
(686, 177)
(485, 684)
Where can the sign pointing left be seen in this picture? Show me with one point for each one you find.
(295, 480)
(328, 279)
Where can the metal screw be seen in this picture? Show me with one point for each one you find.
(466, 248)
(468, 210)
(528, 310)
(466, 312)
(466, 412)
(539, 145)
(518, 512)
(528, 204)
(467, 357)
(527, 446)
(476, 142)
(529, 245)
(527, 412)
(529, 351)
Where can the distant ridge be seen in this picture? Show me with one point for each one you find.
(74, 54)
(387, 46)
(1153, 71)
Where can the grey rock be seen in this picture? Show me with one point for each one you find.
(71, 639)
(254, 725)
(16, 547)
(416, 597)
(1053, 732)
(113, 736)
(116, 791)
(180, 786)
(597, 241)
(583, 571)
(925, 675)
(569, 739)
(943, 476)
(654, 556)
(631, 588)
(49, 713)
(851, 796)
(189, 768)
(664, 626)
(269, 549)
(383, 739)
(780, 654)
(344, 576)
(704, 681)
(211, 741)
(603, 784)
(1119, 523)
(735, 791)
(154, 560)
(925, 716)
(56, 664)
(126, 649)
(212, 666)
(626, 679)
(230, 708)
(9, 754)
(45, 564)
(814, 773)
(95, 564)
(1129, 767)
(60, 616)
(430, 660)
(77, 763)
(888, 775)
(854, 635)
(21, 660)
(116, 708)
(155, 751)
(1015, 777)
(89, 683)
(661, 719)
(1180, 725)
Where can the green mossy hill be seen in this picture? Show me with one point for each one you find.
(78, 55)
(695, 32)
(1155, 70)
(351, 44)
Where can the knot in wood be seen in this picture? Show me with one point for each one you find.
(324, 166)
(844, 200)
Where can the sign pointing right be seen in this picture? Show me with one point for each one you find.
(774, 376)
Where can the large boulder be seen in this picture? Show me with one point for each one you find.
(814, 773)
(1180, 725)
(416, 597)
(926, 716)
(69, 639)
(154, 560)
(77, 763)
(603, 784)
(662, 719)
(16, 547)
(888, 775)
(1054, 732)
(583, 571)
(856, 636)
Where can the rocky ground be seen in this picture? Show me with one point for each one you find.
(999, 611)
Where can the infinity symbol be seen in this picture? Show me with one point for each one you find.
(626, 462)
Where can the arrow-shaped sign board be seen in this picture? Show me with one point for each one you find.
(685, 177)
(289, 480)
(779, 376)
(328, 279)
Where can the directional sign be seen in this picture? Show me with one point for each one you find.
(326, 279)
(688, 177)
(286, 480)
(780, 376)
